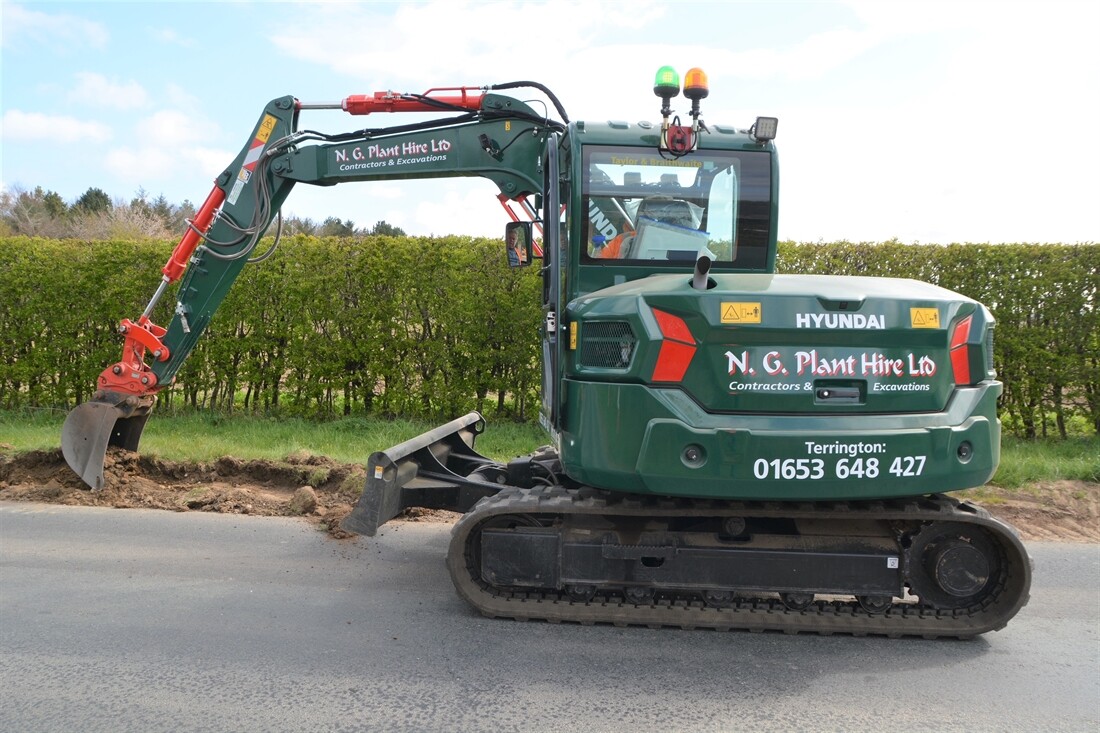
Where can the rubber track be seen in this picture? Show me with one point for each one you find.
(1009, 595)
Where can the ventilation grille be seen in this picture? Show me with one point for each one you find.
(608, 344)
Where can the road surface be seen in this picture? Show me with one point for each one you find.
(140, 620)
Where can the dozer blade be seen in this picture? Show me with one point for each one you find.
(109, 418)
(438, 469)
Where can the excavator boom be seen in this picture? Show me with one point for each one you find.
(489, 135)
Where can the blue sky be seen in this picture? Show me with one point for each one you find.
(926, 121)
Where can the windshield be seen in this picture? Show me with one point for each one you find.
(642, 206)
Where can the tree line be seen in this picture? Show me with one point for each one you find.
(96, 216)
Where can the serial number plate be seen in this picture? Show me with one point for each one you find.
(812, 469)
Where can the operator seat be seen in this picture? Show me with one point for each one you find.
(668, 210)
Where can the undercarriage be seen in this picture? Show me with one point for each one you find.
(931, 567)
(532, 545)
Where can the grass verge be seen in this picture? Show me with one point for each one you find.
(1025, 462)
(207, 436)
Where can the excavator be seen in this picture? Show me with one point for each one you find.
(730, 448)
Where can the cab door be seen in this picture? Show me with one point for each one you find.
(552, 273)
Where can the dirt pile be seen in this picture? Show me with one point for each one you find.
(1065, 511)
(324, 491)
(228, 485)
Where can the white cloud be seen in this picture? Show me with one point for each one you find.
(169, 143)
(169, 35)
(147, 163)
(140, 164)
(35, 126)
(61, 32)
(168, 128)
(177, 96)
(96, 90)
(209, 161)
(491, 39)
(470, 207)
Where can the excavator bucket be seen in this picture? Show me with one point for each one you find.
(438, 469)
(108, 419)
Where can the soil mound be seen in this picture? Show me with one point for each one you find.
(228, 485)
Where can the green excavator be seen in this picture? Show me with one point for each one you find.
(730, 448)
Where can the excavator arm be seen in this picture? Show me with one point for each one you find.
(488, 135)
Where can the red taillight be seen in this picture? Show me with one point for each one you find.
(672, 362)
(677, 349)
(960, 354)
(673, 327)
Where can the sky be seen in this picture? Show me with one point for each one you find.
(924, 121)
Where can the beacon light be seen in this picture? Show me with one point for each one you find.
(666, 86)
(695, 85)
(667, 83)
(695, 89)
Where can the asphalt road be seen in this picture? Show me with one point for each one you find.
(133, 620)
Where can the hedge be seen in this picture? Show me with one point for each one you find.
(432, 327)
(384, 325)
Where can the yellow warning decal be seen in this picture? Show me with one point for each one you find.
(924, 317)
(741, 313)
(266, 127)
(573, 336)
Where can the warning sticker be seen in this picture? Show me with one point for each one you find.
(741, 313)
(573, 336)
(924, 317)
(236, 192)
(378, 472)
(266, 127)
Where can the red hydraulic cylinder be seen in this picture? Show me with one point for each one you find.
(177, 263)
(364, 104)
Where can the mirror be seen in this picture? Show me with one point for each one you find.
(517, 241)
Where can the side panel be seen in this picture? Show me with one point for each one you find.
(645, 440)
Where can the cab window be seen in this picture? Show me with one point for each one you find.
(642, 206)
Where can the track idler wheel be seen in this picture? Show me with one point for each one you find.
(951, 564)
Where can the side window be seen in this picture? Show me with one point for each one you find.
(722, 213)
